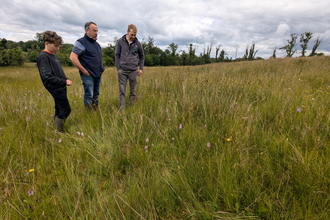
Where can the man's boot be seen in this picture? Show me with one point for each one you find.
(89, 107)
(95, 104)
(59, 123)
(131, 100)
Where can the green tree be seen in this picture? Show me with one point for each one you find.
(217, 51)
(290, 45)
(63, 54)
(317, 43)
(3, 43)
(184, 58)
(304, 39)
(33, 56)
(108, 53)
(222, 55)
(193, 60)
(39, 41)
(274, 53)
(173, 47)
(11, 57)
(252, 52)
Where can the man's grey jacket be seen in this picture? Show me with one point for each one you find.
(129, 56)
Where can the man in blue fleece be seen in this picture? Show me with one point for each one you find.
(86, 55)
(128, 56)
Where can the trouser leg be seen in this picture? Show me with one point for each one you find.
(96, 93)
(88, 82)
(62, 106)
(122, 81)
(132, 76)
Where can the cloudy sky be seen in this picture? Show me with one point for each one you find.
(231, 24)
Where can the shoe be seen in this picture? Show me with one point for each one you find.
(131, 100)
(95, 104)
(89, 107)
(59, 123)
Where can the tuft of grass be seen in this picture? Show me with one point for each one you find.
(265, 160)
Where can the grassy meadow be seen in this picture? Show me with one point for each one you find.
(247, 140)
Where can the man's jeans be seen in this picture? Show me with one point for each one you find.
(91, 88)
(62, 106)
(122, 81)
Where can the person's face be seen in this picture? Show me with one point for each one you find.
(53, 48)
(131, 35)
(92, 31)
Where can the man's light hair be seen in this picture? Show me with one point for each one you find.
(133, 27)
(87, 24)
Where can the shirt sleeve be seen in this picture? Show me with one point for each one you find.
(47, 76)
(78, 48)
(117, 54)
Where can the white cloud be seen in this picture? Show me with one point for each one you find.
(229, 23)
(282, 29)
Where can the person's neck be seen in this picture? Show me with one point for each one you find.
(89, 38)
(47, 51)
(128, 39)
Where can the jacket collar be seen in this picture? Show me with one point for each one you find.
(89, 39)
(135, 39)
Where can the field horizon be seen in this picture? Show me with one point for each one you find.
(239, 140)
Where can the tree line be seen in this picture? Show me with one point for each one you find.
(288, 48)
(16, 53)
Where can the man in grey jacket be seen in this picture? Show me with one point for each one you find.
(128, 56)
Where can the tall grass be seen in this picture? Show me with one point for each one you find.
(266, 159)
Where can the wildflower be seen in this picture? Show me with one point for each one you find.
(82, 134)
(298, 110)
(152, 144)
(169, 119)
(31, 170)
(30, 192)
(146, 147)
(141, 117)
(25, 107)
(71, 92)
(208, 144)
(172, 139)
(150, 110)
(205, 126)
(78, 133)
(1, 128)
(59, 140)
(147, 140)
(229, 139)
(180, 127)
(27, 118)
(167, 110)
